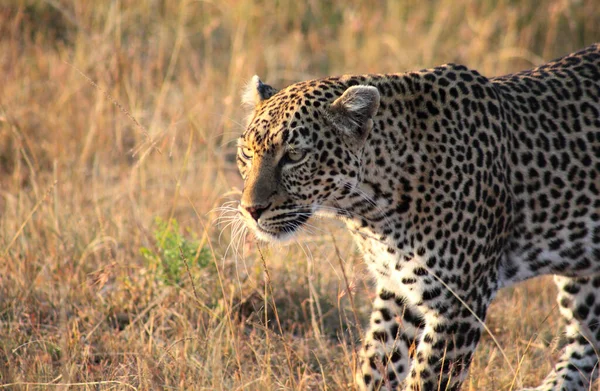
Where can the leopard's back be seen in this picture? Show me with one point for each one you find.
(553, 113)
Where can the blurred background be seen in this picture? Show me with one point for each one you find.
(118, 122)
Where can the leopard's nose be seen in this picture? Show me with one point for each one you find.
(256, 210)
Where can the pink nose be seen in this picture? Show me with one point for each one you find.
(255, 211)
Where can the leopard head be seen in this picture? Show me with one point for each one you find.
(301, 151)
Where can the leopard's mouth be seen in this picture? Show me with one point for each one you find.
(281, 227)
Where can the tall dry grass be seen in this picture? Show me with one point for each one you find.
(81, 184)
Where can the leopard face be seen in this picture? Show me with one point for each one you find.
(301, 153)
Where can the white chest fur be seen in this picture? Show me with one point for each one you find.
(393, 269)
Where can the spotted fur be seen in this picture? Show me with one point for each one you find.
(453, 185)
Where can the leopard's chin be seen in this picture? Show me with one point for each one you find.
(273, 237)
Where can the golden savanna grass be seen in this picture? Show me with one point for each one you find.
(90, 295)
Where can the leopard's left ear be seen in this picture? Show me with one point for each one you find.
(354, 111)
(256, 91)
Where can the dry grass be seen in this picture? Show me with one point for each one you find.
(81, 184)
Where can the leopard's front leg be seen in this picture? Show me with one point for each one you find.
(442, 359)
(453, 327)
(424, 346)
(389, 342)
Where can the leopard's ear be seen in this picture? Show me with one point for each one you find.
(256, 91)
(355, 109)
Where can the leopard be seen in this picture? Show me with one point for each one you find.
(453, 186)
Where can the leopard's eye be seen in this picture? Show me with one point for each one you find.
(293, 156)
(246, 153)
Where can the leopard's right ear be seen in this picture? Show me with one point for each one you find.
(353, 112)
(256, 91)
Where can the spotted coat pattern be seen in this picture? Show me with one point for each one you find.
(453, 185)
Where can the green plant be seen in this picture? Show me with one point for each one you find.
(171, 252)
